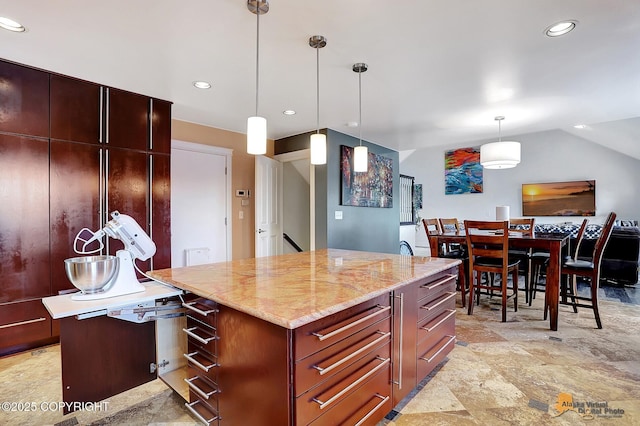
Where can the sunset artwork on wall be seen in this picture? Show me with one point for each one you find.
(574, 198)
(462, 171)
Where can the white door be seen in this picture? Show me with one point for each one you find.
(199, 204)
(268, 206)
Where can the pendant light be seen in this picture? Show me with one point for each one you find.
(318, 141)
(501, 154)
(256, 125)
(360, 153)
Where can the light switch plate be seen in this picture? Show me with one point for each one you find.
(338, 214)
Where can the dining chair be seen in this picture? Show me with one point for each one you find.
(432, 228)
(540, 261)
(488, 246)
(526, 227)
(589, 269)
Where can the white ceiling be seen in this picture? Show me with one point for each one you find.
(439, 71)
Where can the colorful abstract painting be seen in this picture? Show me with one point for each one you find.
(462, 171)
(373, 188)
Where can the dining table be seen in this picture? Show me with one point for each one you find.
(551, 242)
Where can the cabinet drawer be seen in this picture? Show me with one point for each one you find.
(365, 407)
(203, 363)
(444, 323)
(325, 364)
(202, 309)
(331, 394)
(23, 322)
(201, 335)
(437, 285)
(433, 356)
(430, 308)
(324, 332)
(202, 412)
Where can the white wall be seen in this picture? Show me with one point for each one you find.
(546, 157)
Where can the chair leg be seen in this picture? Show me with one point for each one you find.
(462, 282)
(471, 291)
(515, 290)
(574, 292)
(503, 285)
(594, 300)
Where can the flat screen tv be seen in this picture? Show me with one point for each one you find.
(573, 198)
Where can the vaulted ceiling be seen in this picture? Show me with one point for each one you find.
(439, 71)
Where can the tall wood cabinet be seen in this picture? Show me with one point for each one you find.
(72, 152)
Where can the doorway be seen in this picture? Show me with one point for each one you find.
(200, 204)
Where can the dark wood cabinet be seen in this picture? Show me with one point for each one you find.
(160, 166)
(160, 141)
(75, 202)
(127, 191)
(405, 316)
(71, 152)
(77, 112)
(22, 323)
(127, 120)
(24, 100)
(24, 218)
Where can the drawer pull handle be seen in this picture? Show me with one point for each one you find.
(199, 391)
(448, 278)
(17, 324)
(203, 367)
(449, 315)
(189, 305)
(431, 358)
(195, 413)
(190, 332)
(364, 377)
(440, 302)
(323, 371)
(322, 337)
(376, 408)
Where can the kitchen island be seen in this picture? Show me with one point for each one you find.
(322, 337)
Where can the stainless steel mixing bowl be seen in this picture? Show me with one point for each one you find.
(91, 274)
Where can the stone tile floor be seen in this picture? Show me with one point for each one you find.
(499, 373)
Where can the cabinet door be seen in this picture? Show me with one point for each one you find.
(76, 110)
(75, 202)
(405, 318)
(24, 218)
(128, 120)
(24, 100)
(161, 209)
(22, 324)
(127, 191)
(160, 127)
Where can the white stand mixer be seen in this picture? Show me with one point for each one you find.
(137, 245)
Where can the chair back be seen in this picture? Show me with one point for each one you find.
(580, 237)
(489, 240)
(603, 238)
(523, 225)
(449, 225)
(431, 226)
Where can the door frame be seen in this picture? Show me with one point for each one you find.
(305, 154)
(227, 153)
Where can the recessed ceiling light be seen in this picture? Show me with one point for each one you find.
(289, 112)
(560, 28)
(580, 126)
(202, 84)
(11, 25)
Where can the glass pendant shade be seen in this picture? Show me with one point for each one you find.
(500, 155)
(257, 135)
(318, 148)
(360, 158)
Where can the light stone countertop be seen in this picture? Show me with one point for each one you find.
(292, 290)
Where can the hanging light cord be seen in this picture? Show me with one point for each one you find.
(318, 88)
(360, 105)
(257, 53)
